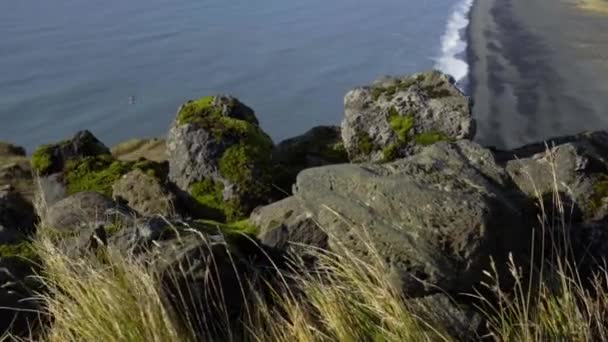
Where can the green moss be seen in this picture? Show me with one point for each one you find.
(429, 138)
(100, 172)
(42, 159)
(365, 144)
(196, 111)
(94, 174)
(209, 116)
(210, 195)
(25, 250)
(391, 152)
(402, 125)
(238, 227)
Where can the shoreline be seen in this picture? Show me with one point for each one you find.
(535, 72)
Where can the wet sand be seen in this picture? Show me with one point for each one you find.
(539, 69)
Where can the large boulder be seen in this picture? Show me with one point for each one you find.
(285, 225)
(575, 166)
(435, 218)
(321, 145)
(219, 154)
(81, 163)
(394, 116)
(146, 193)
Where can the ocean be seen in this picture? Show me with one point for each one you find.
(122, 68)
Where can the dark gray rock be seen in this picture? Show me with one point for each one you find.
(17, 216)
(286, 225)
(20, 312)
(396, 115)
(321, 145)
(435, 218)
(458, 321)
(575, 166)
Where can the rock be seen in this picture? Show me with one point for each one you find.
(319, 146)
(219, 154)
(131, 150)
(575, 166)
(435, 218)
(18, 306)
(86, 211)
(49, 159)
(396, 115)
(17, 217)
(458, 321)
(286, 226)
(145, 193)
(217, 278)
(82, 163)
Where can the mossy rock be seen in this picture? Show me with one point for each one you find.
(51, 158)
(219, 154)
(429, 138)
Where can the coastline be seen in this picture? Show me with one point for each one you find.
(599, 6)
(535, 71)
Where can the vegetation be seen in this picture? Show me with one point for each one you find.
(42, 159)
(365, 143)
(390, 91)
(429, 138)
(100, 172)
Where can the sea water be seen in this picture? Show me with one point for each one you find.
(121, 68)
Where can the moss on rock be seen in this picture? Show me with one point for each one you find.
(99, 173)
(210, 195)
(600, 192)
(365, 144)
(401, 124)
(429, 138)
(215, 114)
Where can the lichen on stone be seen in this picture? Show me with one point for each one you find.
(429, 138)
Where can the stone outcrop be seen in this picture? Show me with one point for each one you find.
(435, 218)
(220, 155)
(394, 116)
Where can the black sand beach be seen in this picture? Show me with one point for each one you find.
(539, 69)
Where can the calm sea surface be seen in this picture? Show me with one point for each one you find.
(120, 68)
